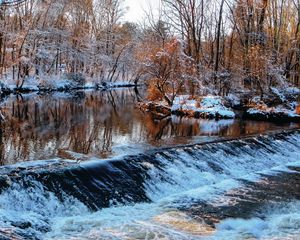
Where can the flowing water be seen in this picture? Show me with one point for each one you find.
(153, 187)
(84, 125)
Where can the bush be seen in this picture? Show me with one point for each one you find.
(77, 78)
(153, 94)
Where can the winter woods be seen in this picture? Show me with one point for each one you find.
(76, 39)
(242, 43)
(193, 47)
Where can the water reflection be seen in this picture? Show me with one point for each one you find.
(99, 124)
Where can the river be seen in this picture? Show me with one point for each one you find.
(102, 124)
(90, 165)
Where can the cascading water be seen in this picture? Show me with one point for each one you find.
(190, 192)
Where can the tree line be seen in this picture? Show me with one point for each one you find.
(183, 46)
(234, 45)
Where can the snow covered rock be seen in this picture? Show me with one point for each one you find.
(159, 109)
(261, 111)
(292, 91)
(234, 100)
(205, 107)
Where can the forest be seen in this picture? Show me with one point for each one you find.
(245, 49)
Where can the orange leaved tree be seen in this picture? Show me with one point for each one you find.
(170, 71)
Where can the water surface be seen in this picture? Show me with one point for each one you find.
(101, 124)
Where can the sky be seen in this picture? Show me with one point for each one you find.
(135, 12)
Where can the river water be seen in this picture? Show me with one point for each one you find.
(160, 179)
(101, 125)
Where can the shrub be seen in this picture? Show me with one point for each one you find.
(77, 78)
(153, 94)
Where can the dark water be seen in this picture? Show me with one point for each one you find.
(86, 125)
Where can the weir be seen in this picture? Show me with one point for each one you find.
(214, 181)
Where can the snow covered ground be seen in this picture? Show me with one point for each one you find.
(206, 107)
(280, 112)
(57, 83)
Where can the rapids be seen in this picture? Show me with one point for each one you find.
(229, 189)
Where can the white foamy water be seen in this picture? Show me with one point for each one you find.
(150, 221)
(177, 178)
(217, 168)
(281, 222)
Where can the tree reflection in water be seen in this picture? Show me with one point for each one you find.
(100, 124)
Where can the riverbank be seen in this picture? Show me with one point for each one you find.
(66, 86)
(279, 107)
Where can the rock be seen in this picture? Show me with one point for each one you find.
(155, 108)
(22, 225)
(272, 114)
(207, 107)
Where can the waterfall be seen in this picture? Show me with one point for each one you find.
(214, 181)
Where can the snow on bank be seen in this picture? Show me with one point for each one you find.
(233, 100)
(206, 107)
(60, 85)
(274, 110)
(261, 111)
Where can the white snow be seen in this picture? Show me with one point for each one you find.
(211, 105)
(278, 94)
(89, 85)
(57, 82)
(183, 103)
(264, 110)
(292, 91)
(233, 99)
(117, 84)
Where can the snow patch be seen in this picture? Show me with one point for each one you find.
(262, 110)
(206, 107)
